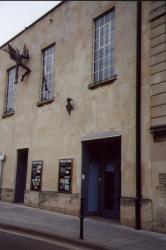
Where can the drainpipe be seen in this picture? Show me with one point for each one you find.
(138, 120)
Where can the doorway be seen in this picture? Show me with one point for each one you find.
(22, 159)
(101, 185)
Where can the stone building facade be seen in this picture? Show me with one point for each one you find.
(107, 144)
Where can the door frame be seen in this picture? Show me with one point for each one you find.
(86, 158)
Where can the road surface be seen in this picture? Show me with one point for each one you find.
(10, 240)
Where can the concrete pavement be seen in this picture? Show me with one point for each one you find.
(98, 233)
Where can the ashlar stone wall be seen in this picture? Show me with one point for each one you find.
(48, 131)
(157, 20)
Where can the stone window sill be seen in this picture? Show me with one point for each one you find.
(45, 102)
(102, 83)
(8, 113)
(159, 128)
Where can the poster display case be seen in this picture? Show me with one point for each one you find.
(36, 175)
(65, 175)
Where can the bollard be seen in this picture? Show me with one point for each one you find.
(81, 217)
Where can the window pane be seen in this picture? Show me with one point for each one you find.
(96, 44)
(96, 55)
(96, 66)
(101, 53)
(112, 60)
(112, 25)
(97, 24)
(107, 74)
(102, 41)
(107, 18)
(101, 21)
(107, 29)
(101, 76)
(97, 34)
(96, 77)
(106, 40)
(112, 36)
(107, 50)
(101, 64)
(102, 31)
(112, 48)
(107, 63)
(111, 71)
(112, 15)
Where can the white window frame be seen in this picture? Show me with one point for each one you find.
(48, 73)
(104, 27)
(9, 102)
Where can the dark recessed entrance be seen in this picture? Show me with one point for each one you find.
(101, 177)
(22, 158)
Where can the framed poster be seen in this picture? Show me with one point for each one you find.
(65, 175)
(36, 175)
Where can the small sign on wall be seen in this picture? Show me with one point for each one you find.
(2, 156)
(36, 175)
(65, 175)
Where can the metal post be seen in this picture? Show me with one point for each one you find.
(0, 173)
(2, 156)
(81, 217)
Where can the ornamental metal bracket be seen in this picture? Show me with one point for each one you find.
(69, 107)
